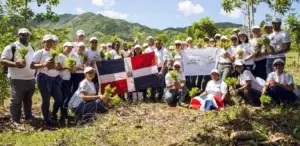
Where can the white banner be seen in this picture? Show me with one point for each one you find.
(200, 61)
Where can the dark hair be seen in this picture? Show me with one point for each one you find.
(134, 53)
(247, 39)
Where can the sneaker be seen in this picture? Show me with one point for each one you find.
(183, 105)
(49, 124)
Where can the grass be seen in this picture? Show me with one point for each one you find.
(157, 124)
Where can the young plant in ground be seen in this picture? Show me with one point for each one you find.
(109, 91)
(194, 91)
(115, 100)
(265, 99)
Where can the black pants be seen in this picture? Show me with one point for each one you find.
(251, 96)
(67, 94)
(76, 78)
(260, 69)
(202, 81)
(159, 89)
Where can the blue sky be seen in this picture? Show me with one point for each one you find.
(158, 14)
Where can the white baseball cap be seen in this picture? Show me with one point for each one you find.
(276, 20)
(224, 38)
(93, 39)
(242, 32)
(278, 61)
(215, 71)
(55, 38)
(218, 35)
(68, 44)
(177, 63)
(268, 25)
(189, 39)
(239, 63)
(236, 29)
(212, 39)
(255, 27)
(23, 30)
(137, 46)
(80, 32)
(88, 69)
(47, 37)
(178, 42)
(149, 38)
(109, 44)
(103, 45)
(80, 44)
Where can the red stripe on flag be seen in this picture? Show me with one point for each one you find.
(121, 86)
(142, 61)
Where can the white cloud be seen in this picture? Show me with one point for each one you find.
(104, 3)
(79, 11)
(114, 14)
(188, 8)
(235, 14)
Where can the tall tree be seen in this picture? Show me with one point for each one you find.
(205, 27)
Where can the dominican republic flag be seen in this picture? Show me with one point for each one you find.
(128, 74)
(200, 102)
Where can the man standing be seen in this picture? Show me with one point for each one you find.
(280, 43)
(22, 83)
(268, 29)
(151, 45)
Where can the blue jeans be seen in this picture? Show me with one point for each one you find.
(88, 109)
(47, 89)
(209, 105)
(67, 94)
(279, 94)
(269, 64)
(159, 89)
(172, 96)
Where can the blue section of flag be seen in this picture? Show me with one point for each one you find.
(110, 66)
(147, 81)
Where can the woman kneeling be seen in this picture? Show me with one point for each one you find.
(85, 102)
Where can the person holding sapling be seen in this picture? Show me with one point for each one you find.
(176, 89)
(280, 42)
(259, 43)
(280, 85)
(214, 94)
(17, 58)
(226, 59)
(247, 86)
(115, 52)
(93, 53)
(48, 79)
(244, 51)
(81, 61)
(65, 65)
(86, 100)
(80, 36)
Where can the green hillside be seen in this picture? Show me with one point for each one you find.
(221, 25)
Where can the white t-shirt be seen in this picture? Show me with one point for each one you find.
(15, 73)
(149, 49)
(114, 54)
(222, 58)
(84, 86)
(254, 43)
(41, 56)
(162, 55)
(216, 88)
(277, 39)
(285, 78)
(126, 53)
(93, 56)
(246, 76)
(248, 50)
(169, 80)
(79, 62)
(61, 59)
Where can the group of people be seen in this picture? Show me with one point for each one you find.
(76, 87)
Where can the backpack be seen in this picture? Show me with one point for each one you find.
(13, 50)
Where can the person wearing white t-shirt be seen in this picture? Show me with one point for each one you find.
(93, 54)
(126, 51)
(21, 77)
(81, 62)
(190, 80)
(80, 36)
(115, 51)
(65, 74)
(86, 100)
(215, 92)
(248, 87)
(151, 45)
(226, 59)
(280, 41)
(246, 50)
(280, 85)
(260, 59)
(176, 89)
(48, 79)
(56, 41)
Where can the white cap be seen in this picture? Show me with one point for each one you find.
(278, 61)
(178, 42)
(137, 46)
(47, 37)
(109, 44)
(268, 25)
(242, 32)
(103, 45)
(93, 39)
(276, 20)
(80, 32)
(145, 45)
(255, 27)
(172, 47)
(149, 38)
(80, 44)
(224, 38)
(88, 69)
(183, 42)
(218, 35)
(215, 71)
(211, 39)
(23, 30)
(189, 39)
(239, 63)
(236, 29)
(68, 44)
(55, 38)
(177, 63)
